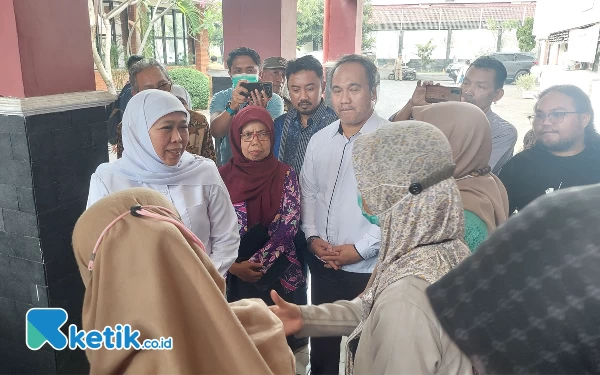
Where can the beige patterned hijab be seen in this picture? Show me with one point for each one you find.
(420, 234)
(148, 274)
(470, 136)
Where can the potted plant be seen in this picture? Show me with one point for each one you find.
(526, 84)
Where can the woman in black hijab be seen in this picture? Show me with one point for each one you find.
(528, 301)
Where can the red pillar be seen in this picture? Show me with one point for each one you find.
(46, 48)
(267, 26)
(342, 33)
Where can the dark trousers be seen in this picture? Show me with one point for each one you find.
(301, 294)
(327, 286)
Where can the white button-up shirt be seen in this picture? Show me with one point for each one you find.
(205, 209)
(330, 194)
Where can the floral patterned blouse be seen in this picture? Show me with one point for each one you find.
(282, 231)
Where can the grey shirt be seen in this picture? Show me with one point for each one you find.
(401, 335)
(504, 138)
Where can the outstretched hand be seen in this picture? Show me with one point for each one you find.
(288, 313)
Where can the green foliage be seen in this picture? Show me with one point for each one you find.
(212, 21)
(310, 23)
(525, 36)
(526, 82)
(145, 13)
(424, 51)
(494, 25)
(195, 82)
(368, 41)
(192, 14)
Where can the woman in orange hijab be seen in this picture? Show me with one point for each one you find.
(152, 273)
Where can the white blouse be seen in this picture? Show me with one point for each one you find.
(205, 209)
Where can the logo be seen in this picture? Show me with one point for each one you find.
(43, 326)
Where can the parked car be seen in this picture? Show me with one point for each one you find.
(453, 68)
(516, 63)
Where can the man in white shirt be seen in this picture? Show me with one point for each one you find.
(344, 243)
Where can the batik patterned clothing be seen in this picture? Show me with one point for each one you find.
(282, 231)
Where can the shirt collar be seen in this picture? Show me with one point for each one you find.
(317, 116)
(369, 126)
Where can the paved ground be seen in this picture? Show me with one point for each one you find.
(514, 109)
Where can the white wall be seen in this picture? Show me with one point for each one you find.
(386, 44)
(466, 44)
(558, 15)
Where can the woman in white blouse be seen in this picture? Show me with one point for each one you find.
(155, 135)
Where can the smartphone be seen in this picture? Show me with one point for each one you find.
(438, 94)
(267, 87)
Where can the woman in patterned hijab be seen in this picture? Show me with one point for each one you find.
(404, 173)
(528, 301)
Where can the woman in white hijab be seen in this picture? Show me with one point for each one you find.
(155, 136)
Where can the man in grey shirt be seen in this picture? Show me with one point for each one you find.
(483, 85)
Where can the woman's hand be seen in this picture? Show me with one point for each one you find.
(288, 313)
(249, 272)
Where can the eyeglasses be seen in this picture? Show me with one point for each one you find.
(262, 136)
(554, 117)
(165, 86)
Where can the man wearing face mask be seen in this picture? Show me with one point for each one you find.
(344, 244)
(244, 66)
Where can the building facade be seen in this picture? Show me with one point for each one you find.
(569, 39)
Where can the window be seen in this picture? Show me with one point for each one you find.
(504, 57)
(525, 57)
(171, 42)
(172, 45)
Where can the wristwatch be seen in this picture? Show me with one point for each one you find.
(231, 111)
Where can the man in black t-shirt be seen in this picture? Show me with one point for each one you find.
(566, 153)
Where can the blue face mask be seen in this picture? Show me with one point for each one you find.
(372, 218)
(252, 78)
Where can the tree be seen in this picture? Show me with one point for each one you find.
(368, 41)
(310, 24)
(213, 23)
(498, 28)
(424, 51)
(525, 36)
(145, 24)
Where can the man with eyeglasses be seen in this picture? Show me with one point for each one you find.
(566, 151)
(145, 75)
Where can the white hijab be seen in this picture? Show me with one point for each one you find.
(182, 93)
(140, 162)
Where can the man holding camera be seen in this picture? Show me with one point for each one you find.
(482, 85)
(244, 67)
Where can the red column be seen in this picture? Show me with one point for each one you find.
(267, 26)
(342, 33)
(46, 48)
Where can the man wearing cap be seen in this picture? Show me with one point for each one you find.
(274, 71)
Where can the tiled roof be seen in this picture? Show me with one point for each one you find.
(444, 16)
